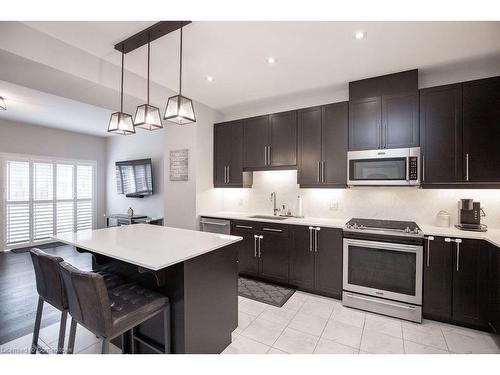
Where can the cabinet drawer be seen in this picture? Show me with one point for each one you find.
(243, 226)
(272, 228)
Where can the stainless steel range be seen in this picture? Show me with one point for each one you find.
(382, 270)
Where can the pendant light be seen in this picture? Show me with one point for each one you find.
(3, 106)
(147, 116)
(120, 122)
(180, 109)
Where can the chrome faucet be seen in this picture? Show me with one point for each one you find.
(273, 199)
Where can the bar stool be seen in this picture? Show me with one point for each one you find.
(50, 289)
(110, 313)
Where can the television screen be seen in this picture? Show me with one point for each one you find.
(134, 178)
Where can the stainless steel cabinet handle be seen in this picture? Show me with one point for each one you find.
(260, 238)
(243, 226)
(255, 245)
(272, 230)
(458, 241)
(228, 174)
(316, 230)
(466, 168)
(265, 155)
(225, 175)
(268, 155)
(322, 171)
(423, 168)
(310, 239)
(429, 239)
(319, 172)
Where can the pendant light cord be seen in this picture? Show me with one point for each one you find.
(148, 69)
(180, 67)
(121, 96)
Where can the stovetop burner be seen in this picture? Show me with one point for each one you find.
(385, 226)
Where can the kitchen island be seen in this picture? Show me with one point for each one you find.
(197, 271)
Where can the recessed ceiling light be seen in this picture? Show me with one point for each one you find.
(359, 35)
(271, 60)
(210, 78)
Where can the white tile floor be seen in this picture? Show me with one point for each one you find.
(309, 323)
(85, 342)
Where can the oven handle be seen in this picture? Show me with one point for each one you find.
(384, 245)
(355, 296)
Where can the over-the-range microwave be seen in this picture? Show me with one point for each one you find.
(393, 167)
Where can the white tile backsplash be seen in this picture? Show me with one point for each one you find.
(399, 203)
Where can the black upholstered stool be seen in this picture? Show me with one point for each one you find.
(110, 313)
(51, 290)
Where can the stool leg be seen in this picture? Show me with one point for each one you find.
(105, 346)
(62, 332)
(166, 328)
(36, 330)
(72, 333)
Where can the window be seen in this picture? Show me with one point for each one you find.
(46, 197)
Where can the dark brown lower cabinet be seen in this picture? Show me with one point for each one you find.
(470, 275)
(455, 281)
(302, 257)
(264, 250)
(273, 255)
(494, 288)
(437, 283)
(316, 259)
(248, 262)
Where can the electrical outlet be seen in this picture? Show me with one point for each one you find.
(334, 205)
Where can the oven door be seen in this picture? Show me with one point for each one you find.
(382, 269)
(383, 167)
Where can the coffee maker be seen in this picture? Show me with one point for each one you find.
(469, 216)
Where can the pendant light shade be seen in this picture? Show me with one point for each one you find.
(147, 116)
(3, 106)
(180, 109)
(120, 122)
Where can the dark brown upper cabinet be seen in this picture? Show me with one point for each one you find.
(270, 141)
(383, 112)
(481, 130)
(256, 136)
(228, 155)
(323, 146)
(441, 134)
(460, 133)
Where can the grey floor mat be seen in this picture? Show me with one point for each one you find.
(271, 294)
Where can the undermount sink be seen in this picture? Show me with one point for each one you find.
(268, 217)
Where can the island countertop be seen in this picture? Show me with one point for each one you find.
(150, 246)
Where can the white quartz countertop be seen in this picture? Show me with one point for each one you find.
(149, 246)
(492, 235)
(323, 222)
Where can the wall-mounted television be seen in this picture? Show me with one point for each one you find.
(134, 178)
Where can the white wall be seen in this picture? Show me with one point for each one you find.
(142, 145)
(178, 202)
(399, 203)
(27, 139)
(428, 77)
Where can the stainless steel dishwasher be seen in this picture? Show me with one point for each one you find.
(209, 224)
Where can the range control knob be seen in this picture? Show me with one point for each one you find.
(407, 230)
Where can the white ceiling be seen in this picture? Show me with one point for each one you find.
(39, 108)
(309, 55)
